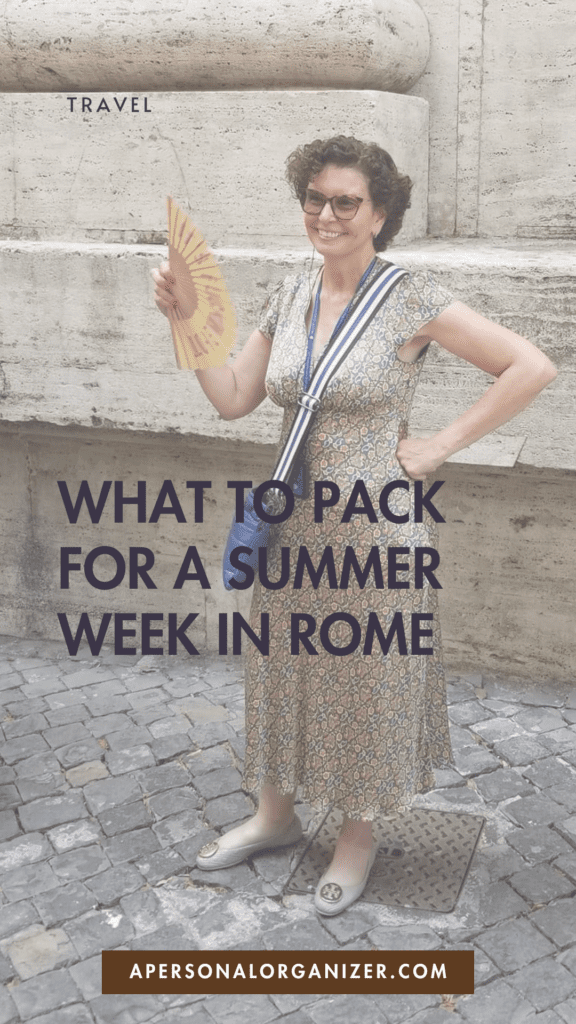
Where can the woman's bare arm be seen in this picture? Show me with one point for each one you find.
(238, 387)
(521, 371)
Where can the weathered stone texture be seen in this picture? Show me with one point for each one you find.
(207, 45)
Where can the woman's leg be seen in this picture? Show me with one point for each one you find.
(352, 852)
(274, 814)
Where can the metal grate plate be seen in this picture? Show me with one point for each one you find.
(422, 862)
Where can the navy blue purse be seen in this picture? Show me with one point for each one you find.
(254, 532)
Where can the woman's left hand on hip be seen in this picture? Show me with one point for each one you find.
(418, 457)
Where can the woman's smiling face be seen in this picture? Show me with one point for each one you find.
(341, 238)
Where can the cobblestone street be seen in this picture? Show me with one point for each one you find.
(116, 770)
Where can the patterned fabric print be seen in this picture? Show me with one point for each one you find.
(359, 731)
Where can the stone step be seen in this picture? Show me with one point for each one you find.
(84, 345)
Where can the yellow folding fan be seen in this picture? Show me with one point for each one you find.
(204, 324)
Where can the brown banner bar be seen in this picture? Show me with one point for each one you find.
(428, 972)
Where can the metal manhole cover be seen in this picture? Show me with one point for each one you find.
(422, 862)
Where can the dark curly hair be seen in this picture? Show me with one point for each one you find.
(387, 187)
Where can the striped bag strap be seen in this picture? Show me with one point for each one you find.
(373, 297)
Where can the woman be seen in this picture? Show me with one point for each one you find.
(361, 731)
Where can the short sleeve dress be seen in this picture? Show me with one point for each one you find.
(356, 729)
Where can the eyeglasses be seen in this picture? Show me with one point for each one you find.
(343, 207)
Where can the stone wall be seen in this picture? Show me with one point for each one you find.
(500, 86)
(88, 384)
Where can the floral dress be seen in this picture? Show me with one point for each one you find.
(360, 731)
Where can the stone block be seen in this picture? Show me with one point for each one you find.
(101, 796)
(74, 754)
(9, 797)
(206, 760)
(28, 881)
(218, 783)
(538, 844)
(110, 885)
(144, 910)
(75, 1013)
(67, 715)
(75, 833)
(53, 810)
(239, 197)
(514, 944)
(24, 726)
(88, 977)
(544, 984)
(131, 845)
(565, 1011)
(174, 801)
(567, 864)
(124, 818)
(535, 810)
(258, 1008)
(468, 712)
(64, 699)
(502, 784)
(224, 810)
(129, 760)
(178, 828)
(561, 740)
(475, 759)
(171, 937)
(80, 863)
(108, 723)
(336, 1009)
(167, 747)
(133, 736)
(37, 950)
(23, 850)
(519, 750)
(210, 734)
(267, 47)
(9, 826)
(119, 1008)
(45, 687)
(541, 883)
(49, 783)
(496, 729)
(23, 747)
(565, 795)
(61, 735)
(550, 772)
(46, 992)
(493, 1001)
(89, 677)
(108, 705)
(189, 848)
(16, 917)
(557, 922)
(10, 681)
(90, 771)
(65, 902)
(567, 828)
(499, 902)
(165, 777)
(539, 720)
(161, 865)
(99, 929)
(168, 726)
